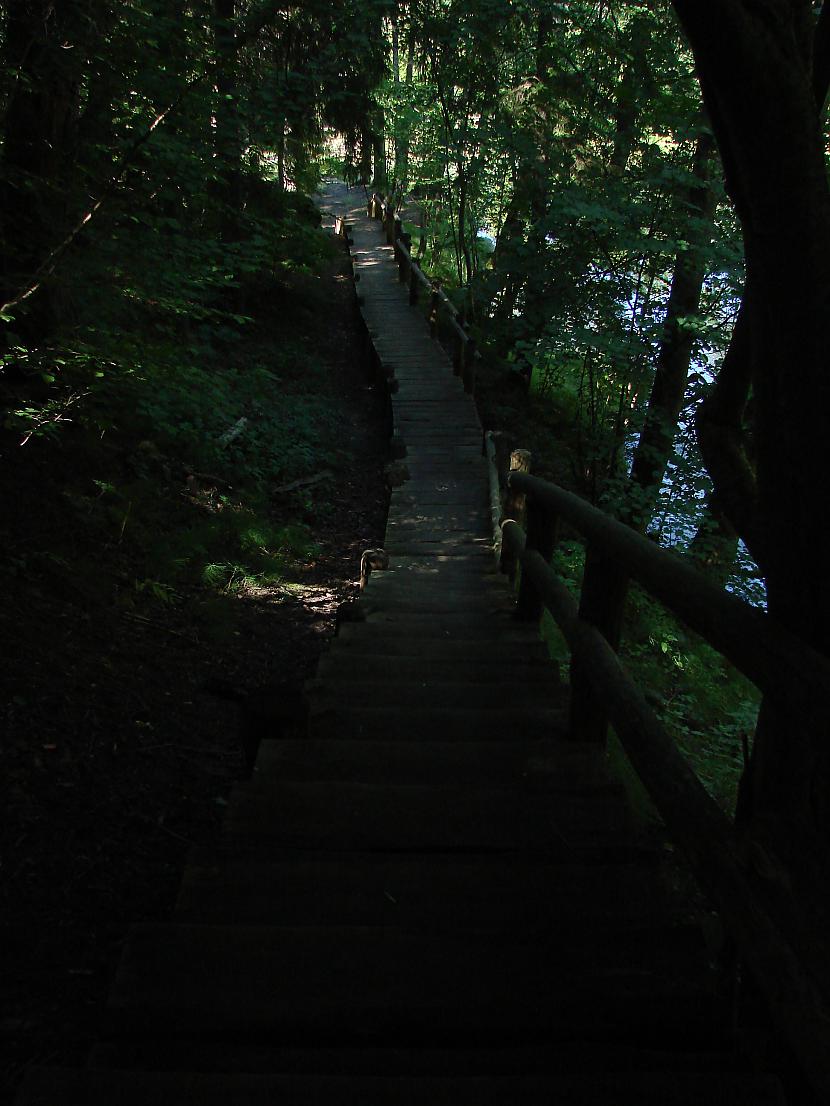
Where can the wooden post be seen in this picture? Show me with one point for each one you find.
(542, 527)
(406, 241)
(602, 604)
(459, 351)
(414, 283)
(434, 307)
(458, 355)
(514, 507)
(469, 372)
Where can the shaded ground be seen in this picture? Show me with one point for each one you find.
(120, 725)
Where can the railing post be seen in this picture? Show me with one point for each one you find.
(458, 354)
(390, 224)
(542, 527)
(405, 240)
(602, 603)
(469, 371)
(514, 507)
(413, 281)
(458, 351)
(434, 307)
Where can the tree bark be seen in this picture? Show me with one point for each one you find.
(756, 71)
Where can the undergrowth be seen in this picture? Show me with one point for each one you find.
(184, 395)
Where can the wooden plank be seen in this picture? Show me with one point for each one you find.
(543, 764)
(366, 639)
(77, 1087)
(430, 691)
(373, 984)
(360, 817)
(479, 724)
(427, 893)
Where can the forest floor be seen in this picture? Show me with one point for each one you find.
(120, 696)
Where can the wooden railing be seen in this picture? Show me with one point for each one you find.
(601, 688)
(440, 311)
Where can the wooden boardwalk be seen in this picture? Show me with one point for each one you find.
(432, 898)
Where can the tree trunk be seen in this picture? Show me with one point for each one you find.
(761, 91)
(379, 178)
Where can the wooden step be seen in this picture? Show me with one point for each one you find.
(480, 559)
(440, 601)
(435, 526)
(539, 765)
(507, 648)
(498, 1060)
(463, 581)
(438, 546)
(493, 632)
(359, 639)
(74, 1087)
(348, 664)
(392, 724)
(342, 816)
(430, 691)
(473, 562)
(496, 618)
(352, 985)
(434, 893)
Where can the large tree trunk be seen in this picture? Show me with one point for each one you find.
(379, 177)
(755, 66)
(403, 136)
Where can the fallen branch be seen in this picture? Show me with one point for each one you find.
(305, 481)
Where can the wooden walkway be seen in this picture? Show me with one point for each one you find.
(434, 898)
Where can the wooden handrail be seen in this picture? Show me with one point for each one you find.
(764, 651)
(759, 647)
(697, 824)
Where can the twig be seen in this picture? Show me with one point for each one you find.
(305, 481)
(157, 625)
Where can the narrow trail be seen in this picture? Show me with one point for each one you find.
(433, 896)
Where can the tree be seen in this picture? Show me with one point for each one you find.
(763, 70)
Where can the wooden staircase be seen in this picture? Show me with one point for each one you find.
(433, 898)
